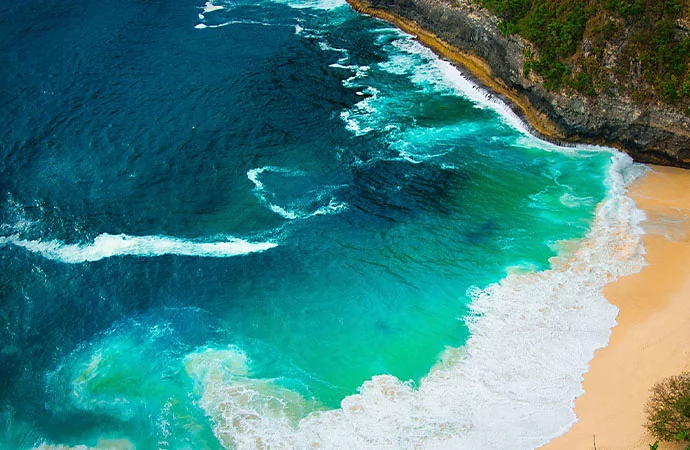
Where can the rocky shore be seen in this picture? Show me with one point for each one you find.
(469, 36)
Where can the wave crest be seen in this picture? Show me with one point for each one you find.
(108, 245)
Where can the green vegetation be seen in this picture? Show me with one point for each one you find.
(596, 47)
(668, 409)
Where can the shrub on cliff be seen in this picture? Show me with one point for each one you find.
(641, 47)
(668, 409)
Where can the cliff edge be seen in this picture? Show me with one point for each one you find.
(648, 129)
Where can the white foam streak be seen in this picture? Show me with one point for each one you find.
(202, 26)
(326, 5)
(362, 118)
(333, 207)
(325, 46)
(260, 189)
(109, 245)
(284, 213)
(314, 4)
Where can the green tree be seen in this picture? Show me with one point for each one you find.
(668, 409)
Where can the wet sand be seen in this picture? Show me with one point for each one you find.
(652, 338)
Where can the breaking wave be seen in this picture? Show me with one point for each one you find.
(109, 245)
(556, 319)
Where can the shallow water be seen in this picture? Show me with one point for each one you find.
(221, 219)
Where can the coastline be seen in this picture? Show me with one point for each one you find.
(652, 338)
(476, 69)
(471, 39)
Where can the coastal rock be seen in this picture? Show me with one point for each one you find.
(650, 132)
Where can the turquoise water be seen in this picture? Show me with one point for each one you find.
(246, 212)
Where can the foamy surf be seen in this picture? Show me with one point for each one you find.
(407, 57)
(253, 406)
(487, 394)
(443, 76)
(109, 245)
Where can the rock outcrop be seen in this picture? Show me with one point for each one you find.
(650, 132)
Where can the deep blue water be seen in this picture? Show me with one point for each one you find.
(141, 142)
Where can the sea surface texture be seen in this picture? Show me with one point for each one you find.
(265, 224)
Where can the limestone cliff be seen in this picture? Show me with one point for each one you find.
(468, 34)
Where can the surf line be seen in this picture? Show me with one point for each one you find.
(474, 68)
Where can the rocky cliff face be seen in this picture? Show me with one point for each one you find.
(648, 132)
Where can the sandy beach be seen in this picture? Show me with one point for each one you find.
(652, 338)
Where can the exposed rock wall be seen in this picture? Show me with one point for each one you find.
(650, 132)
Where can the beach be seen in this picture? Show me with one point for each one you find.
(652, 338)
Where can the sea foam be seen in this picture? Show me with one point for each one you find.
(407, 57)
(109, 245)
(511, 387)
(210, 7)
(252, 405)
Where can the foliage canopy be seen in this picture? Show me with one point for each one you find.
(592, 46)
(668, 409)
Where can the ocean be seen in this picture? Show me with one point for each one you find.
(283, 224)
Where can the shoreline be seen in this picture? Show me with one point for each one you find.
(476, 70)
(651, 340)
(655, 143)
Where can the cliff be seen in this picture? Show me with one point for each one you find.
(470, 36)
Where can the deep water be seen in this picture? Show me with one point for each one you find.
(272, 198)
